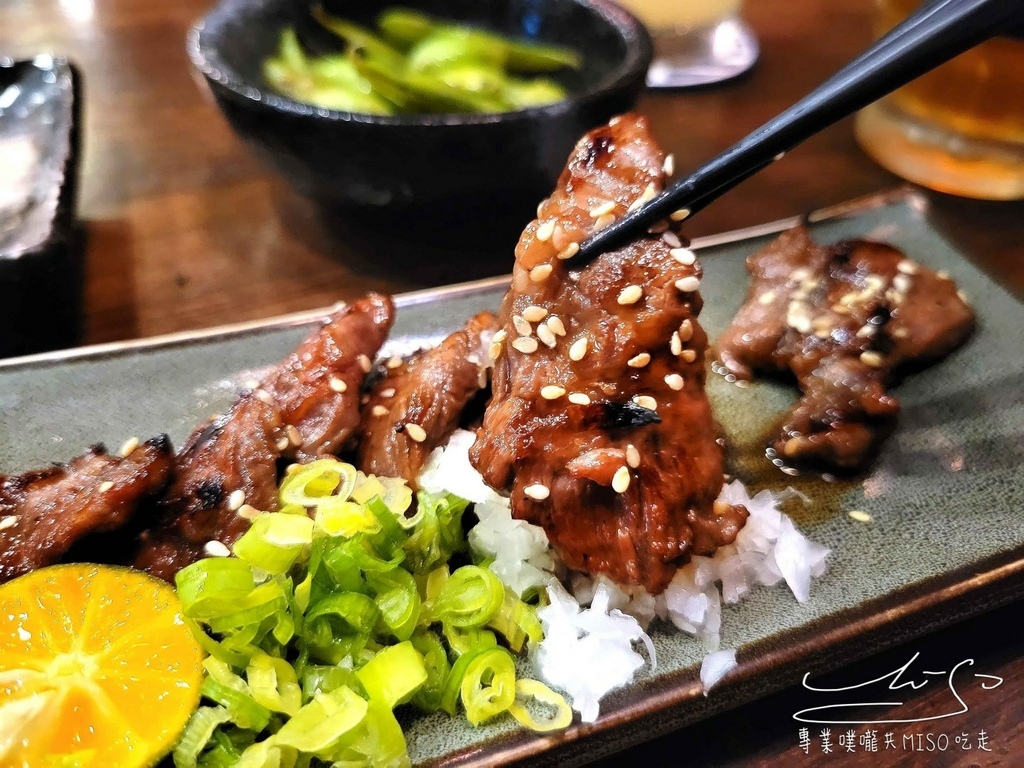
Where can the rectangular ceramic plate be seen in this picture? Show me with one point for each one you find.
(946, 494)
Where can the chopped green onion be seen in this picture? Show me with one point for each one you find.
(535, 689)
(323, 722)
(470, 597)
(394, 674)
(275, 541)
(489, 686)
(197, 734)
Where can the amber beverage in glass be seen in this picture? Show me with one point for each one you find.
(958, 128)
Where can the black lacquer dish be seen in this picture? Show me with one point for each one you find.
(41, 270)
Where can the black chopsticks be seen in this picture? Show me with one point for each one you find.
(934, 34)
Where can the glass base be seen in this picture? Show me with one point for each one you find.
(940, 159)
(702, 56)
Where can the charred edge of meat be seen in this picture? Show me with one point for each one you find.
(161, 443)
(210, 494)
(627, 415)
(214, 427)
(598, 147)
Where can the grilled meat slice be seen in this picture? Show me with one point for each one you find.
(235, 453)
(43, 513)
(418, 404)
(847, 320)
(316, 390)
(598, 424)
(305, 407)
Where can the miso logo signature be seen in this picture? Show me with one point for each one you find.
(888, 686)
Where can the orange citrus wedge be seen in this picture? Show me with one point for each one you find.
(97, 668)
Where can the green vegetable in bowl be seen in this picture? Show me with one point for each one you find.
(339, 608)
(418, 64)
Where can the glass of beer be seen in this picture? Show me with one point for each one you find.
(958, 128)
(696, 42)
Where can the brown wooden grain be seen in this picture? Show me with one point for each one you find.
(187, 230)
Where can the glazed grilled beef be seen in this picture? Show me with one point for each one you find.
(419, 402)
(316, 390)
(847, 320)
(599, 425)
(43, 513)
(227, 471)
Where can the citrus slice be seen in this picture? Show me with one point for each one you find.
(97, 668)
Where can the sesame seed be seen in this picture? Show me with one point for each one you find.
(639, 361)
(251, 383)
(872, 358)
(525, 344)
(632, 456)
(416, 432)
(669, 166)
(556, 326)
(866, 332)
(264, 397)
(688, 284)
(860, 516)
(688, 355)
(293, 435)
(499, 337)
(522, 327)
(630, 295)
(799, 274)
(650, 192)
(534, 314)
(600, 210)
(364, 363)
(822, 323)
(798, 316)
(540, 273)
(394, 362)
(963, 297)
(671, 239)
(907, 267)
(943, 275)
(537, 492)
(540, 208)
(379, 410)
(674, 381)
(236, 499)
(129, 446)
(635, 205)
(282, 444)
(901, 333)
(579, 398)
(680, 215)
(337, 385)
(552, 392)
(779, 156)
(686, 330)
(8, 521)
(657, 227)
(106, 486)
(840, 309)
(249, 512)
(684, 256)
(901, 282)
(216, 549)
(605, 221)
(546, 230)
(620, 480)
(578, 350)
(546, 335)
(646, 401)
(390, 391)
(569, 251)
(675, 345)
(494, 351)
(874, 283)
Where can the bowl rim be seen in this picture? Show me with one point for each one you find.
(201, 46)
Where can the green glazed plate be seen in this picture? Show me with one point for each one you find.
(946, 495)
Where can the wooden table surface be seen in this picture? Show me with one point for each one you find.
(186, 230)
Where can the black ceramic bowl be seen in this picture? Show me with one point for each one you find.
(423, 163)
